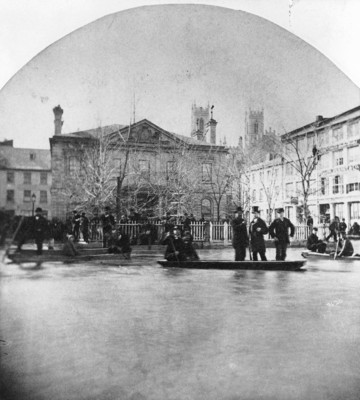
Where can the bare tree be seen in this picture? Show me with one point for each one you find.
(93, 171)
(269, 178)
(302, 154)
(218, 177)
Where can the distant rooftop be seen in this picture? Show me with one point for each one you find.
(24, 159)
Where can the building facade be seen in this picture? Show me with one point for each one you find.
(333, 144)
(157, 162)
(25, 180)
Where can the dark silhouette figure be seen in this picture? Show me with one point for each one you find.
(279, 231)
(240, 236)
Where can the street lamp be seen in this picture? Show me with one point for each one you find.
(33, 199)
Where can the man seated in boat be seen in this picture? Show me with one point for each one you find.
(190, 252)
(346, 247)
(69, 248)
(314, 243)
(120, 243)
(175, 246)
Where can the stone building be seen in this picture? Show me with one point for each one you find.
(334, 144)
(25, 179)
(152, 153)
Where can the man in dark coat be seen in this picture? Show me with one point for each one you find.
(279, 231)
(240, 236)
(333, 228)
(342, 226)
(190, 252)
(40, 226)
(314, 243)
(108, 223)
(76, 225)
(257, 231)
(175, 246)
(120, 243)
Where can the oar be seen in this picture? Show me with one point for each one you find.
(250, 249)
(336, 248)
(13, 238)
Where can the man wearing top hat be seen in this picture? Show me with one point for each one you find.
(41, 227)
(257, 231)
(279, 231)
(240, 236)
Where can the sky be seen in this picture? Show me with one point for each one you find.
(28, 27)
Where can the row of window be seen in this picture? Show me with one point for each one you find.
(327, 161)
(10, 178)
(144, 168)
(337, 188)
(10, 196)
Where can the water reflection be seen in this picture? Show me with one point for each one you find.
(140, 331)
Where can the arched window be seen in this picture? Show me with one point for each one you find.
(206, 208)
(256, 127)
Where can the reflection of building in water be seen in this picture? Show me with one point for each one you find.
(335, 181)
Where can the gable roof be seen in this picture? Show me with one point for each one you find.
(123, 129)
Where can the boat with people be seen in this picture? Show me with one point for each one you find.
(311, 255)
(295, 265)
(88, 255)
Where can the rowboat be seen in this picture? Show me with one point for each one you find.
(327, 256)
(30, 256)
(254, 265)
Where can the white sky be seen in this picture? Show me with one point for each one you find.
(28, 26)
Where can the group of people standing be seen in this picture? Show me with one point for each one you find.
(281, 229)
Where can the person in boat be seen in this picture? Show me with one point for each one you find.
(190, 252)
(69, 248)
(314, 243)
(108, 223)
(279, 231)
(346, 247)
(240, 236)
(120, 243)
(175, 246)
(257, 230)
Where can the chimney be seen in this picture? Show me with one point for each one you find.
(212, 125)
(58, 112)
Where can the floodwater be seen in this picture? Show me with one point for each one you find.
(139, 331)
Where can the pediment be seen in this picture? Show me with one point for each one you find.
(147, 133)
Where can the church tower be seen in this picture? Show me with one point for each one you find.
(254, 126)
(200, 118)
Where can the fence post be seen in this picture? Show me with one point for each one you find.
(210, 233)
(226, 233)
